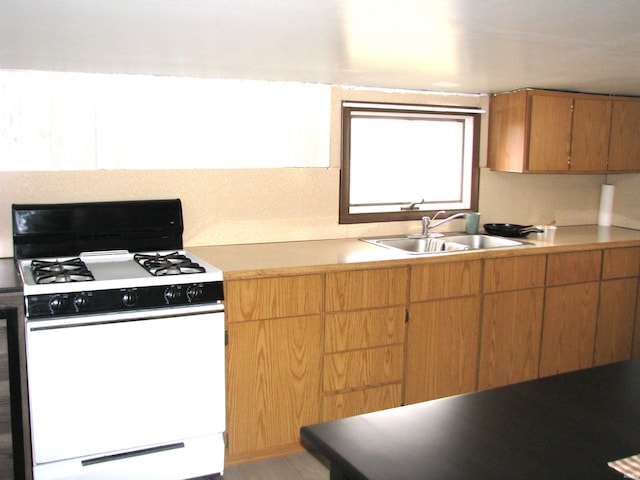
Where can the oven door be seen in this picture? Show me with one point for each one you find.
(114, 386)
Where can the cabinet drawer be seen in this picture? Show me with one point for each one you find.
(361, 368)
(354, 290)
(621, 262)
(341, 405)
(515, 273)
(573, 267)
(276, 297)
(443, 280)
(364, 329)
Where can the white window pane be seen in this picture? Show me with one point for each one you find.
(398, 160)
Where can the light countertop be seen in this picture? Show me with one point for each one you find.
(316, 256)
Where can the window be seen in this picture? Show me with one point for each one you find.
(401, 162)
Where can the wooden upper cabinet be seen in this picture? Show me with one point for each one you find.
(550, 133)
(590, 134)
(624, 149)
(542, 131)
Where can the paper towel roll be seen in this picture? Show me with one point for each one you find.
(606, 205)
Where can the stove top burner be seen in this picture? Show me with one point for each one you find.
(60, 271)
(168, 264)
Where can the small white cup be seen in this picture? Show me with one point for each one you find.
(548, 233)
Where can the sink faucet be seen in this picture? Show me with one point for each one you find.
(427, 222)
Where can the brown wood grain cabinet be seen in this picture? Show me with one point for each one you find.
(443, 330)
(274, 360)
(543, 131)
(318, 347)
(364, 333)
(618, 302)
(624, 149)
(511, 320)
(570, 311)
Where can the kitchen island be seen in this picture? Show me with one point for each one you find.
(559, 427)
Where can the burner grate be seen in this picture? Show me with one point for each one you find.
(168, 264)
(60, 271)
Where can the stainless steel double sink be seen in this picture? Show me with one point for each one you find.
(421, 245)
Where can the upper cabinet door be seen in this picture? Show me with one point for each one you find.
(590, 135)
(550, 133)
(624, 150)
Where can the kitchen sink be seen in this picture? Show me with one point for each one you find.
(419, 245)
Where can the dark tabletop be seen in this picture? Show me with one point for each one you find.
(562, 427)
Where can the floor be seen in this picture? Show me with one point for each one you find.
(299, 466)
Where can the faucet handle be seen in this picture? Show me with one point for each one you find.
(438, 213)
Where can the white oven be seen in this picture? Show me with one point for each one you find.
(108, 397)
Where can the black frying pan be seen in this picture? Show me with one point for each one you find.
(509, 229)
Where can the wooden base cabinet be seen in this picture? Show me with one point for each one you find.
(274, 361)
(511, 332)
(568, 337)
(443, 330)
(442, 348)
(363, 365)
(570, 311)
(513, 290)
(617, 308)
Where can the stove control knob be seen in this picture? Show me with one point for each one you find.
(172, 294)
(194, 292)
(80, 301)
(129, 298)
(57, 303)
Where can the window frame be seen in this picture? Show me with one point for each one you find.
(345, 217)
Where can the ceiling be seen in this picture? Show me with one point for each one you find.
(466, 46)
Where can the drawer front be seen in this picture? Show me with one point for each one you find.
(443, 280)
(364, 329)
(621, 263)
(573, 267)
(276, 297)
(341, 405)
(361, 368)
(514, 273)
(354, 290)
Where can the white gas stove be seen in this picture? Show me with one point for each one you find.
(125, 344)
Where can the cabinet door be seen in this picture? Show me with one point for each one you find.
(573, 267)
(444, 280)
(363, 368)
(364, 329)
(514, 273)
(510, 343)
(276, 297)
(340, 405)
(550, 133)
(353, 290)
(590, 135)
(273, 383)
(442, 348)
(624, 148)
(616, 318)
(569, 328)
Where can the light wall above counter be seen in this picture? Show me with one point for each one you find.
(257, 205)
